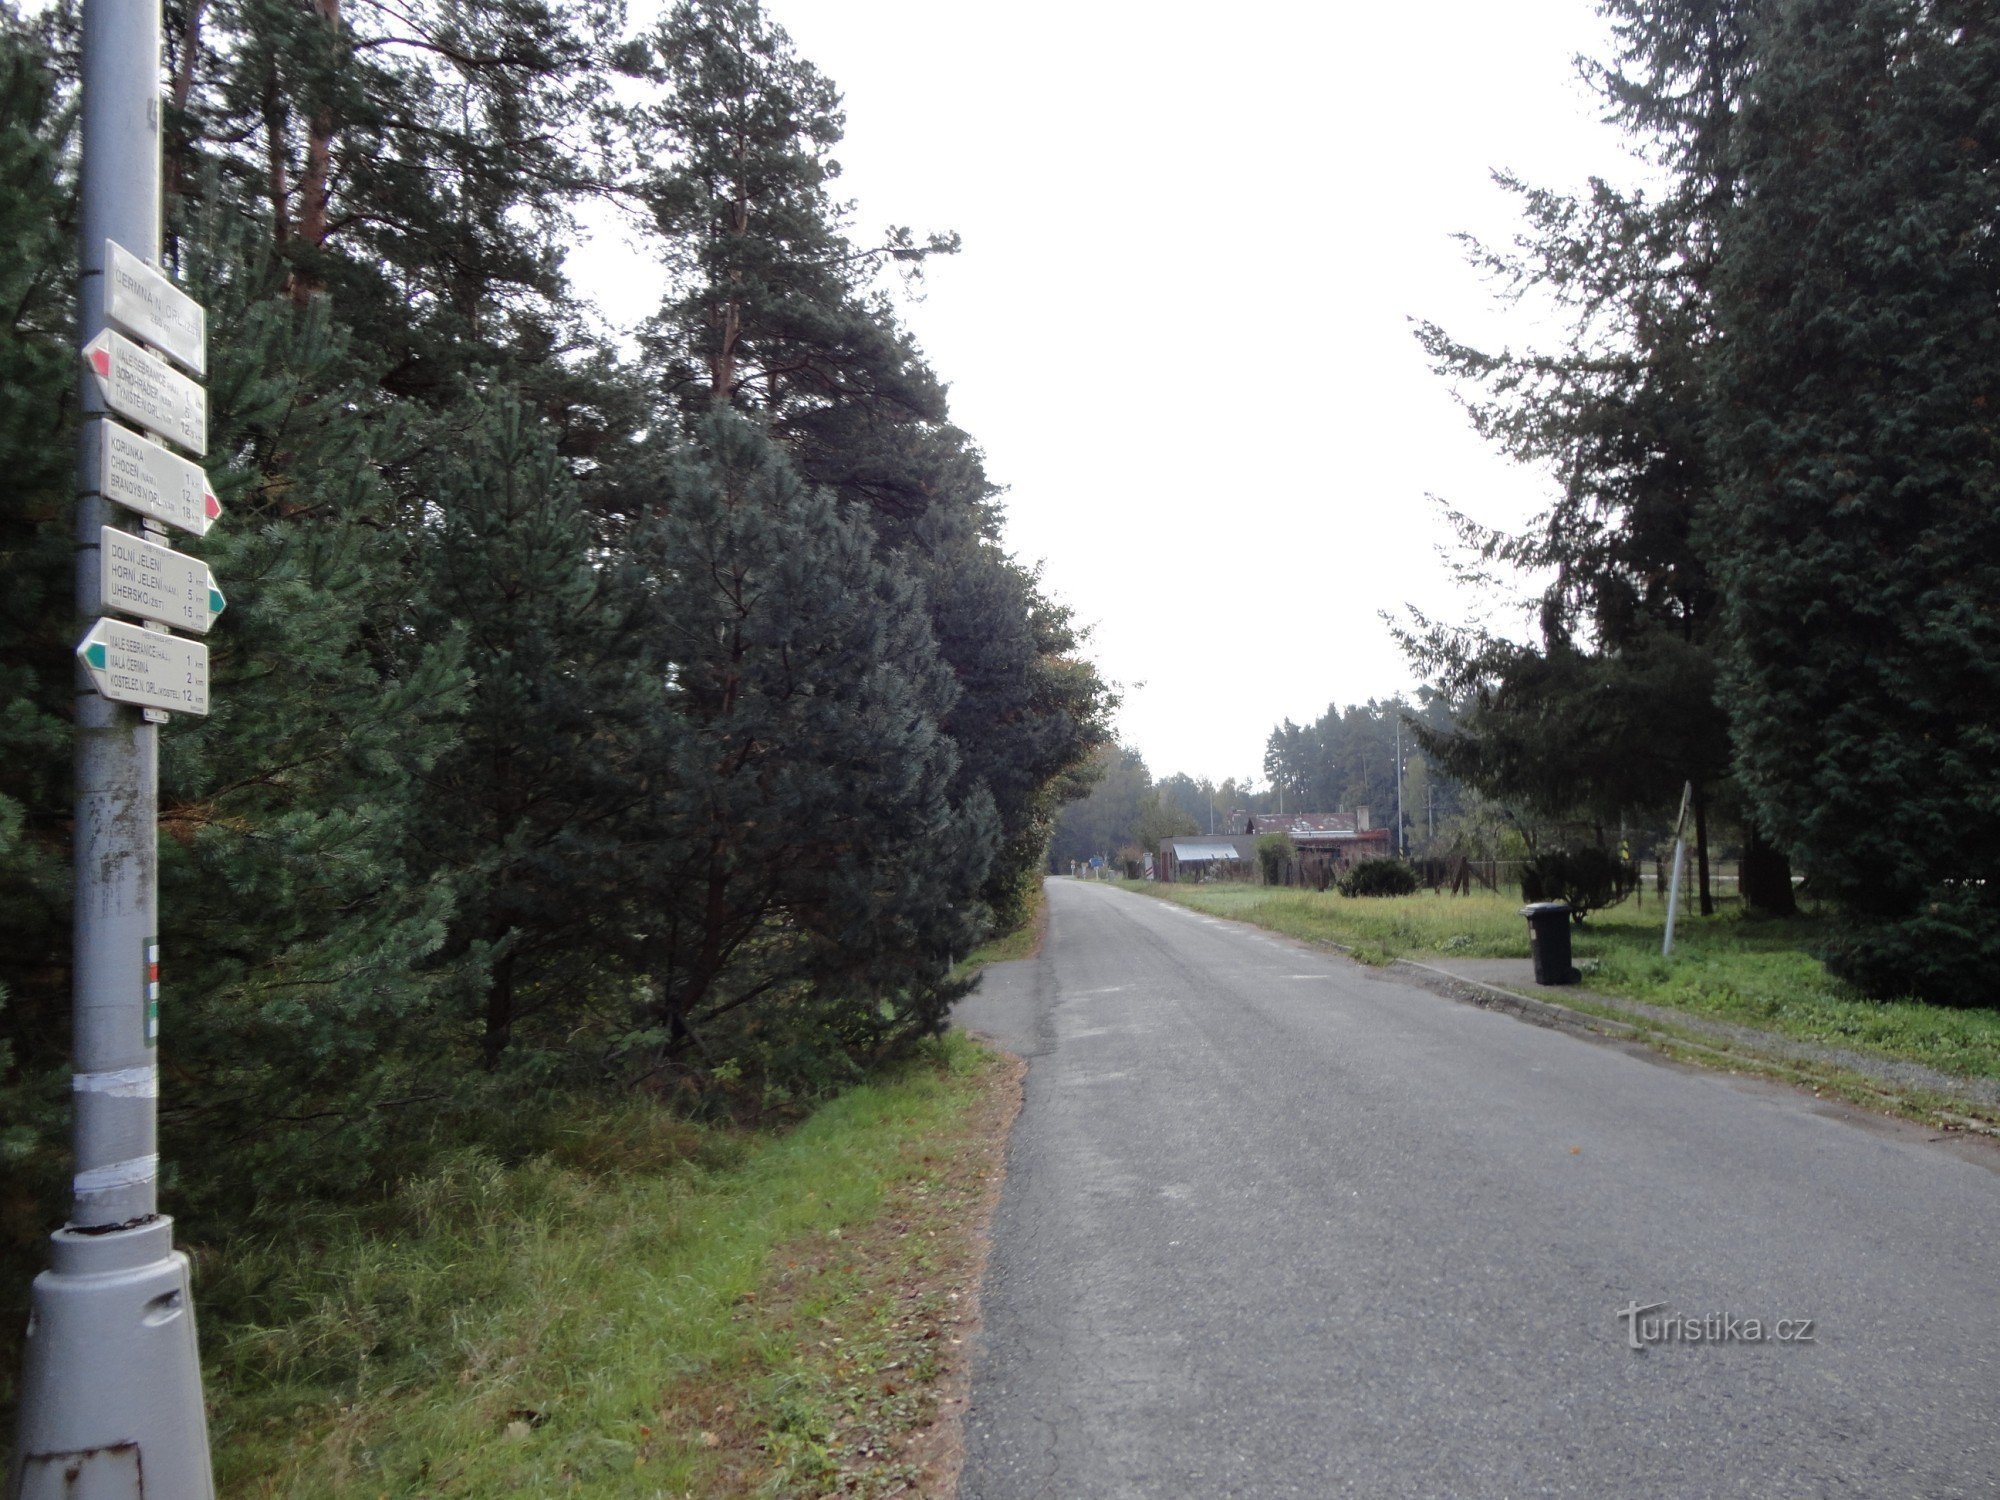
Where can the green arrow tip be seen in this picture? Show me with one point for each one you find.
(94, 654)
(216, 603)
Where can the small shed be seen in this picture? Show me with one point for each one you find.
(1212, 856)
(1326, 844)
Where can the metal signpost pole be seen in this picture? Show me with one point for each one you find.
(1680, 864)
(111, 1401)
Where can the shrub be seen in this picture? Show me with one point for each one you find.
(1274, 856)
(1588, 878)
(1379, 877)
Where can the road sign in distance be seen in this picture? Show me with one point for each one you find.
(141, 475)
(138, 577)
(143, 302)
(137, 383)
(130, 664)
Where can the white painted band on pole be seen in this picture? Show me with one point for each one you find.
(117, 1174)
(119, 1083)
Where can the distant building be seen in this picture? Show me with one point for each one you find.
(1327, 843)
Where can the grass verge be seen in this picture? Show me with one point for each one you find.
(1024, 941)
(655, 1309)
(1746, 971)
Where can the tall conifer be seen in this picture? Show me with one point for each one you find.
(1859, 527)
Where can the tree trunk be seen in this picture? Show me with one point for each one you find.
(499, 1006)
(276, 188)
(1701, 850)
(1766, 880)
(316, 178)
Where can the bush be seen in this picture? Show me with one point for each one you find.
(1274, 856)
(1588, 878)
(1379, 877)
(1946, 952)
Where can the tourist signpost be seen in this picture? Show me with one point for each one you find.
(131, 664)
(110, 1394)
(138, 577)
(139, 299)
(136, 383)
(150, 478)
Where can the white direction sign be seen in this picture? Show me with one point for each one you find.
(138, 577)
(141, 475)
(145, 304)
(129, 664)
(137, 383)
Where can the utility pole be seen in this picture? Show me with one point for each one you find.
(1402, 845)
(111, 1402)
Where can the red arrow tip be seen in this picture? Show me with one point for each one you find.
(100, 361)
(211, 506)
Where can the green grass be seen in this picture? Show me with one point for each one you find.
(1750, 972)
(1024, 941)
(589, 1322)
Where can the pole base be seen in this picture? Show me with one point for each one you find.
(111, 1405)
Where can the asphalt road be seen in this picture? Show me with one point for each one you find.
(1277, 1225)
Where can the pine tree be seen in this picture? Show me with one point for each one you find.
(775, 312)
(806, 849)
(414, 162)
(1859, 526)
(37, 374)
(526, 809)
(305, 1024)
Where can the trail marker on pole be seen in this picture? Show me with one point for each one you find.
(136, 383)
(156, 583)
(131, 664)
(153, 480)
(142, 302)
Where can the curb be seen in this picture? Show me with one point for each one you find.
(1491, 997)
(1561, 1018)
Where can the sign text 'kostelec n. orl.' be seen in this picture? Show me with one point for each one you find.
(141, 301)
(142, 578)
(140, 475)
(137, 383)
(130, 664)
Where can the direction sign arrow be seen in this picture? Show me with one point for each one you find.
(137, 383)
(129, 664)
(141, 475)
(144, 303)
(138, 577)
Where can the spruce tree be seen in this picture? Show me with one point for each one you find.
(1859, 524)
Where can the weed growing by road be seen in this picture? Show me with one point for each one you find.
(652, 1308)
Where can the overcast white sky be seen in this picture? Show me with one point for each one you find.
(1179, 326)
